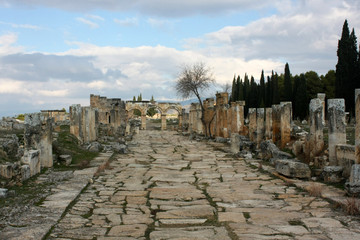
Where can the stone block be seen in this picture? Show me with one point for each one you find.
(292, 168)
(345, 156)
(3, 192)
(353, 185)
(270, 150)
(332, 174)
(25, 172)
(65, 159)
(7, 171)
(31, 158)
(298, 147)
(94, 147)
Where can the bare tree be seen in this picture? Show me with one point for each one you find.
(192, 81)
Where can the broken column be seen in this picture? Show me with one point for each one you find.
(143, 121)
(84, 123)
(353, 185)
(252, 124)
(285, 122)
(337, 127)
(357, 126)
(315, 142)
(276, 113)
(260, 128)
(322, 96)
(38, 135)
(163, 121)
(31, 158)
(268, 123)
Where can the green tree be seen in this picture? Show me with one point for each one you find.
(301, 100)
(134, 99)
(261, 100)
(240, 89)
(329, 83)
(268, 93)
(314, 85)
(253, 94)
(275, 88)
(287, 84)
(233, 86)
(347, 67)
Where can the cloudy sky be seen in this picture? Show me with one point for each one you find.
(54, 53)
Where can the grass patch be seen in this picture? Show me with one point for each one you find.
(68, 144)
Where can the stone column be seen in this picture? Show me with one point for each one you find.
(75, 121)
(163, 121)
(38, 135)
(268, 123)
(241, 116)
(235, 142)
(357, 127)
(89, 124)
(285, 122)
(276, 110)
(260, 128)
(200, 126)
(143, 121)
(322, 96)
(337, 127)
(252, 124)
(315, 143)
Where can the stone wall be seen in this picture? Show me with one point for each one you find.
(57, 115)
(10, 124)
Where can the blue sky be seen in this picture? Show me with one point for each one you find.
(56, 53)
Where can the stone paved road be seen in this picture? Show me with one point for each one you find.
(169, 187)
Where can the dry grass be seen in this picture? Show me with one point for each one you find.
(315, 190)
(102, 168)
(352, 206)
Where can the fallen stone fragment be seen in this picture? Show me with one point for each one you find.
(292, 168)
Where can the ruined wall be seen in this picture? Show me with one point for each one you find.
(57, 115)
(38, 135)
(111, 114)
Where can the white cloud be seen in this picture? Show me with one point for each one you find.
(54, 93)
(87, 22)
(26, 26)
(95, 17)
(127, 22)
(7, 42)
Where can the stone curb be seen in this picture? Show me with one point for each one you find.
(62, 196)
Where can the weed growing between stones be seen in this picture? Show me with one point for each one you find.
(352, 206)
(315, 190)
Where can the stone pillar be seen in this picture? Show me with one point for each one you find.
(199, 124)
(252, 124)
(234, 143)
(315, 142)
(163, 121)
(143, 121)
(89, 124)
(357, 126)
(38, 135)
(241, 113)
(237, 116)
(337, 127)
(260, 128)
(268, 123)
(322, 96)
(75, 121)
(276, 110)
(285, 122)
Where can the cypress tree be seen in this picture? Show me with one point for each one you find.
(287, 84)
(301, 101)
(233, 86)
(346, 67)
(262, 90)
(134, 99)
(253, 94)
(276, 94)
(237, 89)
(268, 94)
(240, 90)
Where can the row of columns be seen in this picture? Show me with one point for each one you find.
(271, 123)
